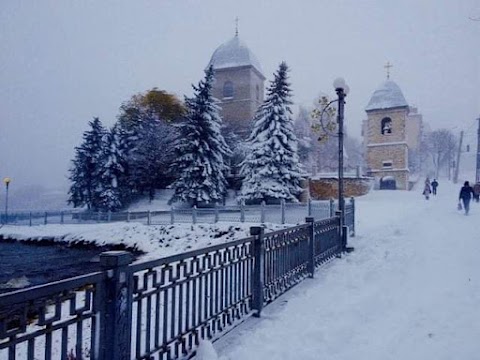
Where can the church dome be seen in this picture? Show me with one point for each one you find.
(387, 96)
(234, 53)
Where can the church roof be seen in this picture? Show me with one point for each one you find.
(234, 53)
(388, 95)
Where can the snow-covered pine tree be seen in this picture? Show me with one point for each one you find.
(113, 172)
(85, 174)
(152, 155)
(271, 168)
(201, 149)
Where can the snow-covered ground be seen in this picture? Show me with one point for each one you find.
(154, 240)
(411, 290)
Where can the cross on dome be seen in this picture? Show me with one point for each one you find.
(388, 66)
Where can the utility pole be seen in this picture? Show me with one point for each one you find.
(477, 174)
(455, 176)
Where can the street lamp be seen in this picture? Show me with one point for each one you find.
(342, 90)
(7, 181)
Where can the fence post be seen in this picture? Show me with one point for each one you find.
(149, 217)
(109, 216)
(258, 269)
(194, 214)
(216, 213)
(45, 220)
(352, 202)
(332, 208)
(262, 212)
(311, 245)
(61, 217)
(116, 306)
(172, 215)
(282, 205)
(309, 206)
(128, 216)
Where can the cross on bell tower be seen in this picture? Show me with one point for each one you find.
(236, 26)
(388, 66)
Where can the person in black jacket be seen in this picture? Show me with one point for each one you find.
(434, 186)
(466, 193)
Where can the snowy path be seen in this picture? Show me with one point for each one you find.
(411, 290)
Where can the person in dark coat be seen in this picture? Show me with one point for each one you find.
(476, 192)
(427, 190)
(465, 196)
(434, 186)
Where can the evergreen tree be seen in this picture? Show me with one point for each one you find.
(147, 134)
(201, 149)
(271, 168)
(86, 172)
(151, 156)
(113, 172)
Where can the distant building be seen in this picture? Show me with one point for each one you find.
(239, 84)
(392, 133)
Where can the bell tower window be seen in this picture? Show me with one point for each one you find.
(386, 126)
(228, 90)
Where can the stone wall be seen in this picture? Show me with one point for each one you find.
(238, 111)
(387, 153)
(396, 155)
(374, 134)
(327, 188)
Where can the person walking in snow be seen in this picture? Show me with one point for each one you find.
(465, 196)
(434, 186)
(476, 192)
(427, 190)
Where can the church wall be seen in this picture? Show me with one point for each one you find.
(374, 131)
(401, 178)
(414, 128)
(238, 112)
(397, 154)
(388, 147)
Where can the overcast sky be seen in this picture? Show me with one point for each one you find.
(63, 62)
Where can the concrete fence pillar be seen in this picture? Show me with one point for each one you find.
(116, 307)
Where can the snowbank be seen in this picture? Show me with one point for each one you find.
(155, 240)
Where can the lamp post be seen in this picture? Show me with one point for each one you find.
(342, 89)
(7, 181)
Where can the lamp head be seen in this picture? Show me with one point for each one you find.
(7, 180)
(339, 83)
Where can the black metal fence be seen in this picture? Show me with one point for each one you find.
(283, 213)
(161, 309)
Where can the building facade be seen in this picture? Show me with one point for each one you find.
(239, 84)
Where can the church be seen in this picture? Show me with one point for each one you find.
(391, 133)
(239, 84)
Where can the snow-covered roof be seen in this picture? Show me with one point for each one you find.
(387, 96)
(234, 53)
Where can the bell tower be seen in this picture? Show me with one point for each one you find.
(385, 136)
(239, 84)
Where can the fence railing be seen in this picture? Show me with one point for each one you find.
(162, 308)
(284, 213)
